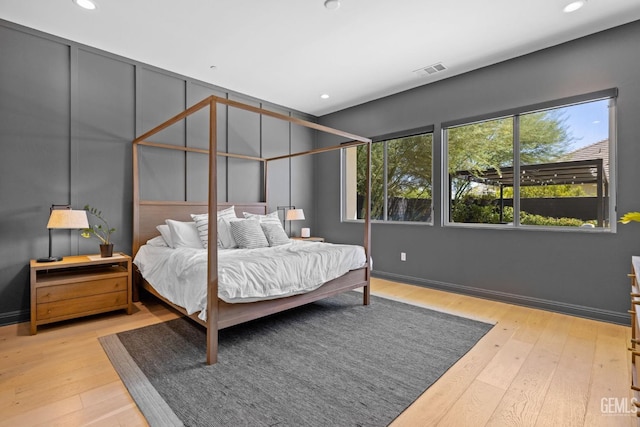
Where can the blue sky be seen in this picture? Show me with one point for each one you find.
(588, 123)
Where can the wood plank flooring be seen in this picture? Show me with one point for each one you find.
(534, 368)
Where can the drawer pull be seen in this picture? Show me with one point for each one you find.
(631, 275)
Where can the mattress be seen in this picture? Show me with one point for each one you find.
(245, 275)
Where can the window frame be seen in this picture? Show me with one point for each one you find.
(430, 129)
(445, 203)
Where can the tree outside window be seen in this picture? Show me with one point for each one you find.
(401, 179)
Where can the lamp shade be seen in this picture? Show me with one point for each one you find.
(295, 214)
(68, 219)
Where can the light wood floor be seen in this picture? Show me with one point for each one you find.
(534, 368)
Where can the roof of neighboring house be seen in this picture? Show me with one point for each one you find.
(597, 150)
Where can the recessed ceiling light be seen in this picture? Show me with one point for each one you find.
(332, 4)
(573, 6)
(86, 4)
(324, 96)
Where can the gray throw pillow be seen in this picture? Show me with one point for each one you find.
(248, 234)
(275, 234)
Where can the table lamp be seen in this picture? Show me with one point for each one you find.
(63, 217)
(292, 214)
(295, 215)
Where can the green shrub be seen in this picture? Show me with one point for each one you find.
(481, 210)
(485, 210)
(531, 219)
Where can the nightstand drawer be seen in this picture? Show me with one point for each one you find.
(82, 289)
(78, 286)
(70, 308)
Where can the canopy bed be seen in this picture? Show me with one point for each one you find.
(148, 214)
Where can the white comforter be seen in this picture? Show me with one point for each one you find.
(245, 275)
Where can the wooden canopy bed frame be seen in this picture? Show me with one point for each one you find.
(147, 214)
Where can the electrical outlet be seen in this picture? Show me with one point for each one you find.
(403, 256)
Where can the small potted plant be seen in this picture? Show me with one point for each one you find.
(101, 231)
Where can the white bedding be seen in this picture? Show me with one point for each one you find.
(245, 275)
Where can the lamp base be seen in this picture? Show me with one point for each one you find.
(50, 259)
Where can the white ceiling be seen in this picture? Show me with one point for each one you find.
(289, 52)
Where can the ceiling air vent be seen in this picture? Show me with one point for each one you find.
(431, 69)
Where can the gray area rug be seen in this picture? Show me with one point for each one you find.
(334, 362)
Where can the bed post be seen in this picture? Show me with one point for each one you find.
(367, 228)
(212, 270)
(135, 244)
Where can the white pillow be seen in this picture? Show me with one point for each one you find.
(184, 234)
(158, 241)
(271, 218)
(274, 234)
(166, 234)
(202, 224)
(229, 213)
(248, 234)
(225, 236)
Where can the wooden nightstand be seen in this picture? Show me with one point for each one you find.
(79, 286)
(309, 239)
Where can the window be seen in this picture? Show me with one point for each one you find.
(400, 178)
(549, 167)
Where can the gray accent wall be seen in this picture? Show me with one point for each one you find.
(573, 272)
(68, 114)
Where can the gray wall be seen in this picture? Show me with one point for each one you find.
(581, 273)
(68, 114)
